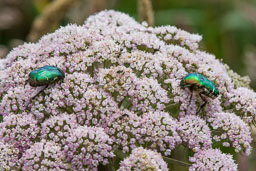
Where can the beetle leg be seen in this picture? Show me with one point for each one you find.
(190, 86)
(190, 98)
(187, 85)
(204, 99)
(39, 91)
(30, 100)
(191, 90)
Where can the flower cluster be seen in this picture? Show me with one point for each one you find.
(121, 91)
(173, 35)
(145, 94)
(142, 159)
(96, 108)
(15, 100)
(159, 131)
(20, 130)
(154, 130)
(242, 101)
(230, 130)
(44, 155)
(195, 132)
(58, 128)
(87, 147)
(9, 156)
(123, 129)
(212, 159)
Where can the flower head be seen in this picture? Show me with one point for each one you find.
(87, 147)
(145, 94)
(154, 130)
(195, 132)
(212, 159)
(20, 130)
(44, 155)
(242, 101)
(143, 159)
(9, 157)
(231, 130)
(58, 128)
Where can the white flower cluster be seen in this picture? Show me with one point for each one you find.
(121, 91)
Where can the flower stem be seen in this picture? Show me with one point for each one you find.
(120, 154)
(174, 161)
(110, 166)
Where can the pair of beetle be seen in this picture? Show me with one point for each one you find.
(47, 75)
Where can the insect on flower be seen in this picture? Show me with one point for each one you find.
(44, 76)
(199, 83)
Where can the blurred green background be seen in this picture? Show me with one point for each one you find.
(228, 27)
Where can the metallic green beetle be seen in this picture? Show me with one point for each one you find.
(200, 83)
(44, 76)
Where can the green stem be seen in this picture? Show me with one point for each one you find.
(174, 161)
(92, 70)
(110, 166)
(125, 103)
(120, 154)
(170, 105)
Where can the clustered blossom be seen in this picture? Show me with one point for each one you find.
(145, 94)
(9, 156)
(20, 130)
(159, 131)
(194, 132)
(15, 100)
(121, 91)
(87, 147)
(142, 159)
(242, 101)
(96, 108)
(173, 35)
(44, 155)
(122, 128)
(58, 128)
(212, 159)
(230, 130)
(154, 130)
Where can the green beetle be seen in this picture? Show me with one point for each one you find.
(44, 76)
(200, 83)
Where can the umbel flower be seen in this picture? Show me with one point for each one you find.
(87, 147)
(9, 157)
(44, 155)
(230, 130)
(212, 159)
(121, 94)
(142, 159)
(195, 132)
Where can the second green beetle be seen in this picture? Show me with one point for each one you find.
(45, 75)
(200, 83)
